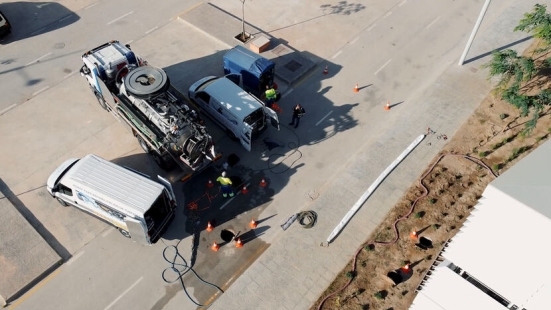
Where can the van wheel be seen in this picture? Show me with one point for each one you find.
(231, 135)
(124, 232)
(62, 202)
(160, 161)
(143, 144)
(102, 101)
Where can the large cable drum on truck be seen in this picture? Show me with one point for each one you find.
(144, 82)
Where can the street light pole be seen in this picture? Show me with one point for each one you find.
(471, 39)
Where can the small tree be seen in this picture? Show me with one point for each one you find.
(537, 23)
(243, 34)
(511, 68)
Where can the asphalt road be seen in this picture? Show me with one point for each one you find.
(394, 51)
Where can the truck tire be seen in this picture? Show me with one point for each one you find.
(62, 202)
(124, 232)
(102, 101)
(144, 82)
(159, 160)
(143, 144)
(231, 135)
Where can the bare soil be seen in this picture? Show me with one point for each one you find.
(493, 134)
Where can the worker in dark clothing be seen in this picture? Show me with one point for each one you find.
(298, 113)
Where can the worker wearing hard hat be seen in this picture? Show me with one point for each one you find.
(226, 185)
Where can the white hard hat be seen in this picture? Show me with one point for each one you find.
(223, 173)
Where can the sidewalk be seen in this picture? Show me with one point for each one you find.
(25, 257)
(294, 271)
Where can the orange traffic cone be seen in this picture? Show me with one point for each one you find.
(356, 89)
(215, 246)
(209, 227)
(326, 70)
(405, 269)
(244, 190)
(387, 105)
(263, 183)
(238, 243)
(253, 224)
(413, 235)
(210, 184)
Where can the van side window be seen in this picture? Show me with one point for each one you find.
(65, 190)
(204, 96)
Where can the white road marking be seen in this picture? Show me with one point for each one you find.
(371, 27)
(287, 93)
(321, 120)
(66, 17)
(151, 30)
(38, 31)
(39, 91)
(108, 231)
(116, 19)
(336, 54)
(403, 2)
(38, 59)
(123, 293)
(229, 200)
(355, 40)
(91, 5)
(8, 108)
(68, 75)
(387, 14)
(381, 68)
(74, 258)
(434, 21)
(42, 5)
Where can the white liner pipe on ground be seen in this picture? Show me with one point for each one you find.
(370, 190)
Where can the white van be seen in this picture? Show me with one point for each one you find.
(139, 207)
(241, 114)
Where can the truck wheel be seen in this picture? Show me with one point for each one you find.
(62, 202)
(143, 144)
(102, 102)
(124, 232)
(231, 135)
(160, 161)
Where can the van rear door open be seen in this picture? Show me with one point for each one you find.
(246, 136)
(274, 120)
(168, 186)
(137, 231)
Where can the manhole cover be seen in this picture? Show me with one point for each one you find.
(59, 45)
(293, 66)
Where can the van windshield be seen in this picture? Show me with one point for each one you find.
(158, 216)
(256, 120)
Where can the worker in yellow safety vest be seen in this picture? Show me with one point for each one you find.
(226, 185)
(271, 95)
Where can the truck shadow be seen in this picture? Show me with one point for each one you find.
(29, 19)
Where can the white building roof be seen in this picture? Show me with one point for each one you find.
(504, 242)
(446, 290)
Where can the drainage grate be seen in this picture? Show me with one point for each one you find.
(293, 66)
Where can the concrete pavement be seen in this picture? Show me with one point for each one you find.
(295, 270)
(294, 259)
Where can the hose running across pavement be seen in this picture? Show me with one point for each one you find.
(395, 225)
(181, 268)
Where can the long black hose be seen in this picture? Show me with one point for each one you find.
(181, 269)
